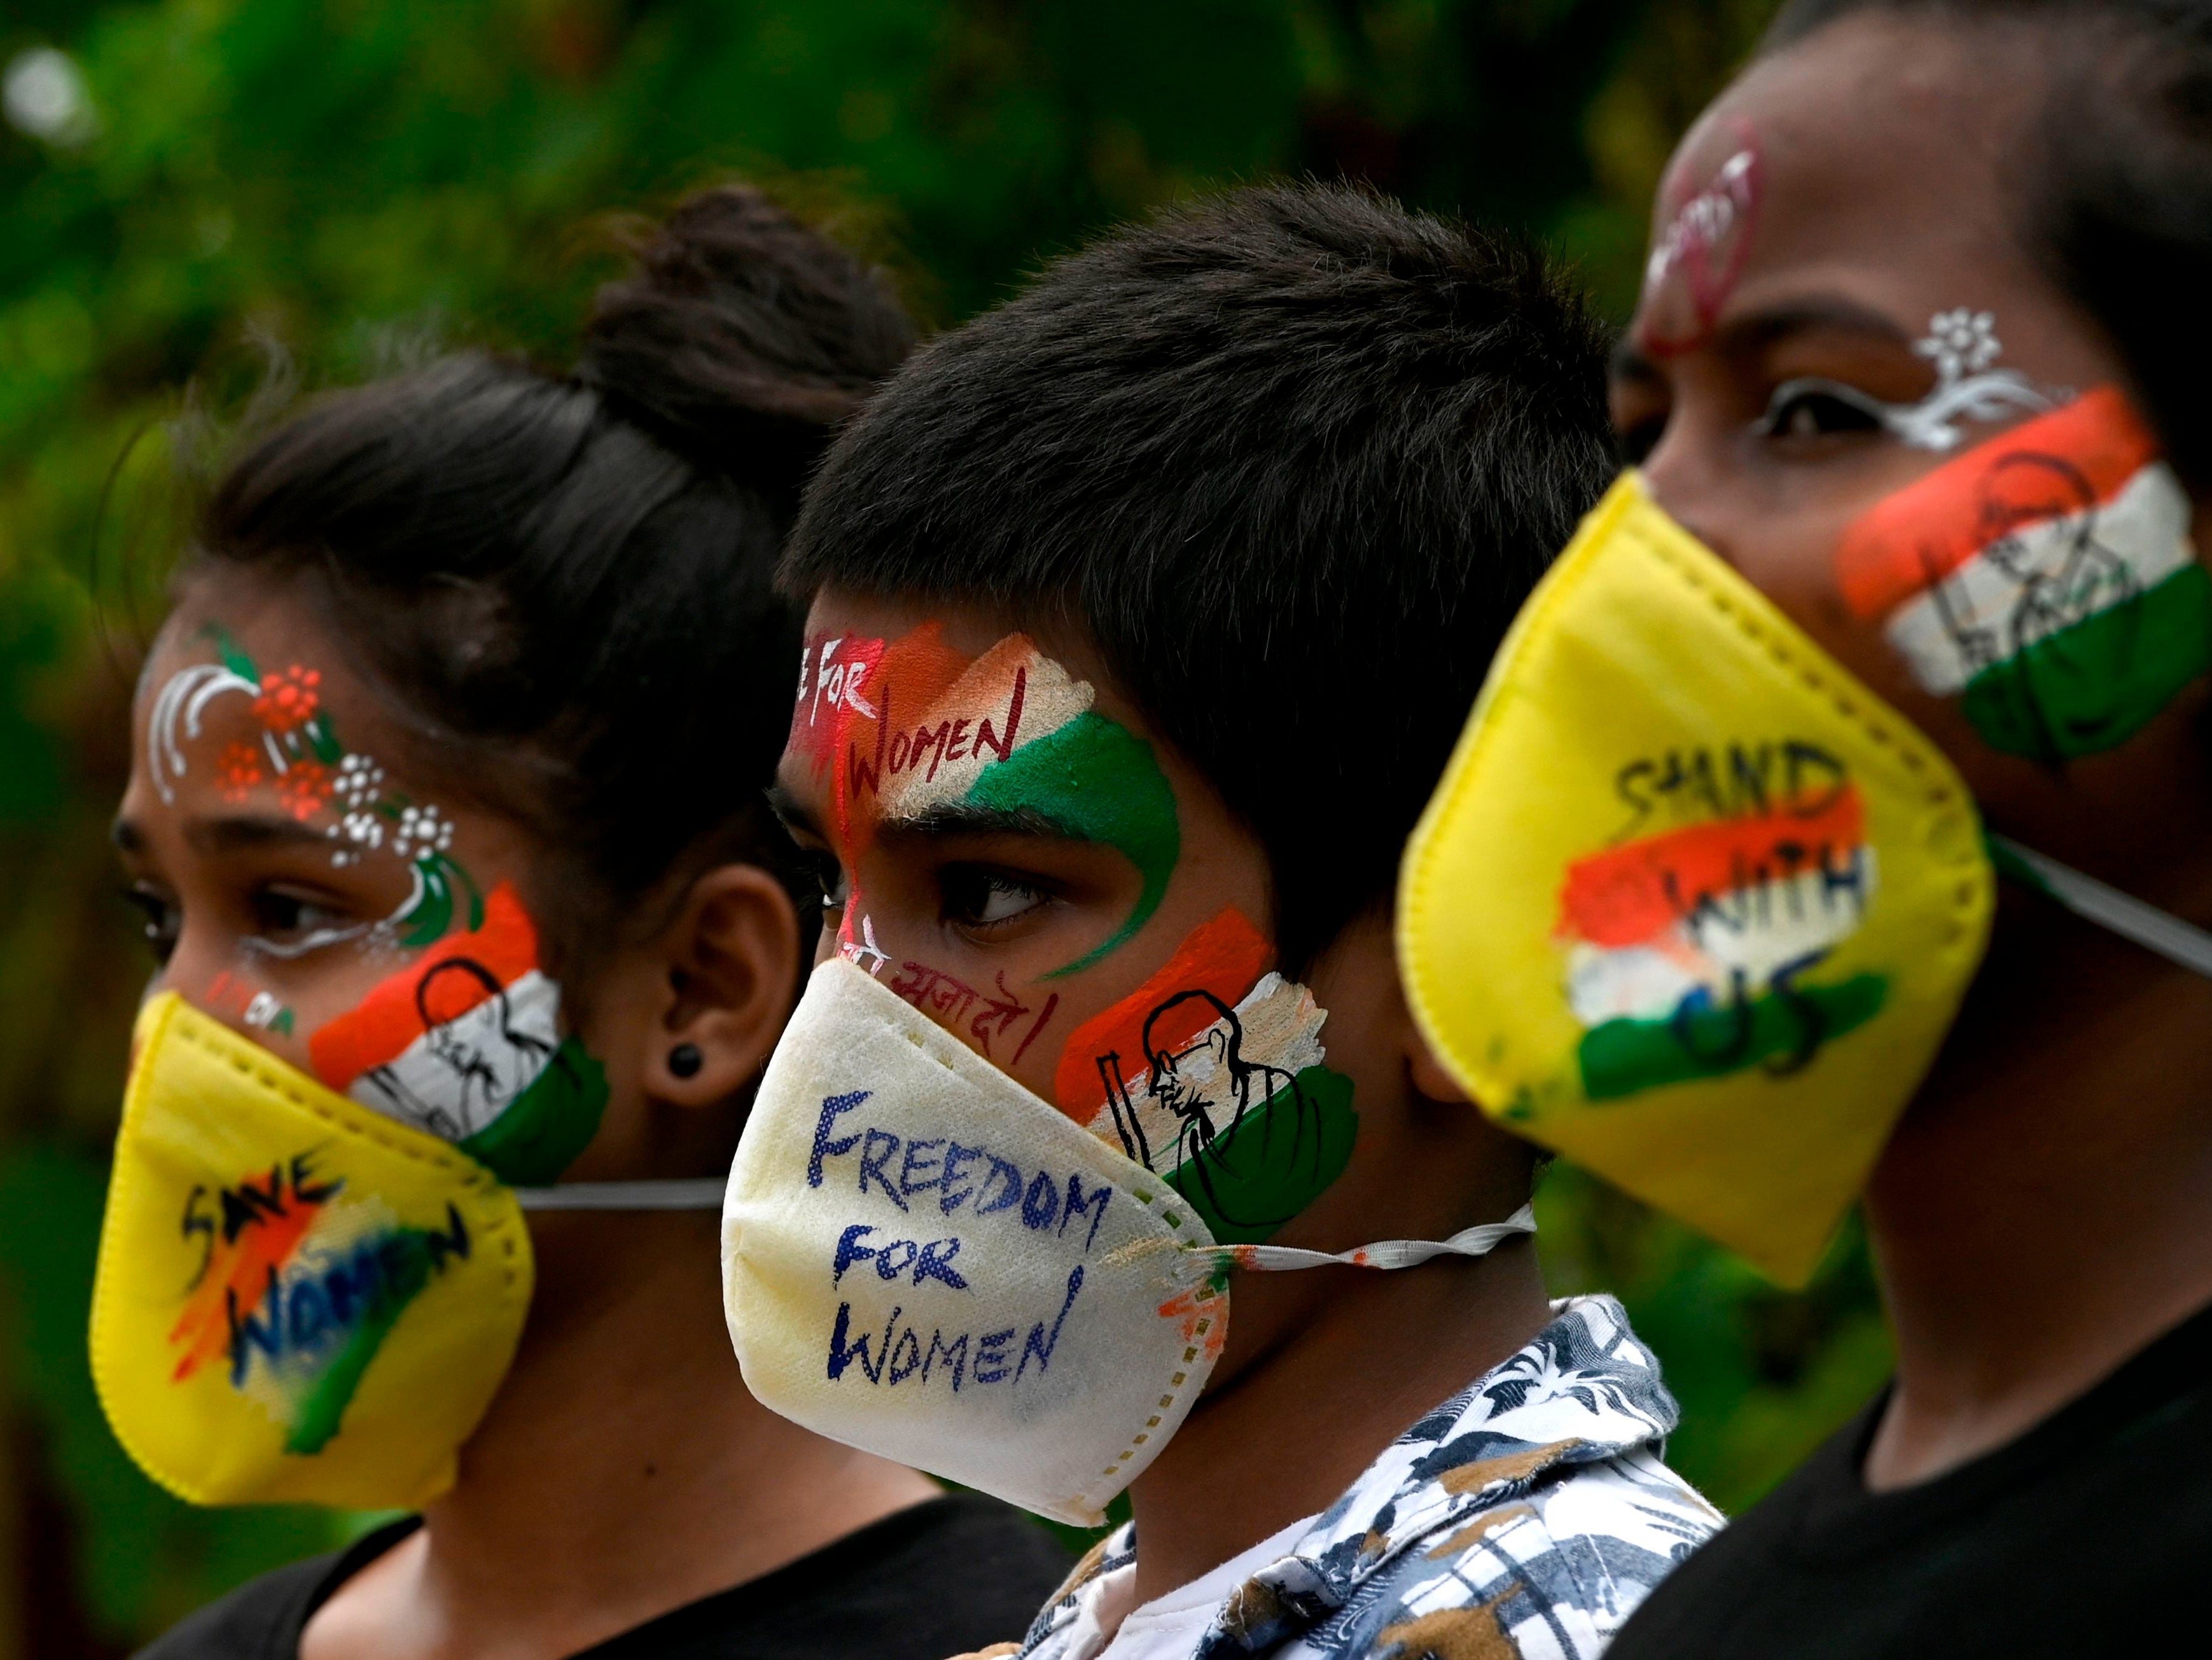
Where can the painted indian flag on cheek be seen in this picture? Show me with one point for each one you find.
(2046, 578)
(913, 731)
(1694, 952)
(465, 1043)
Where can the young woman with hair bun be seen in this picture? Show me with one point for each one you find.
(474, 935)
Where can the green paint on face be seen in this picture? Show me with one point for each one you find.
(234, 655)
(1275, 1163)
(1095, 779)
(1623, 1057)
(427, 919)
(2095, 685)
(549, 1124)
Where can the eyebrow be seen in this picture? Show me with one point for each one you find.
(1754, 331)
(947, 818)
(249, 832)
(790, 812)
(1826, 314)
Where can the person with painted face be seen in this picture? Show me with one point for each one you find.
(1143, 611)
(475, 931)
(1833, 825)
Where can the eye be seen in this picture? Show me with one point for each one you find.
(163, 921)
(1813, 408)
(978, 897)
(280, 916)
(829, 873)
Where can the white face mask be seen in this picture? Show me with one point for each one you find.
(922, 1259)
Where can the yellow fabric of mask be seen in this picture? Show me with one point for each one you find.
(298, 1300)
(1692, 906)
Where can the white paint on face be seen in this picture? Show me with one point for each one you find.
(1964, 347)
(182, 702)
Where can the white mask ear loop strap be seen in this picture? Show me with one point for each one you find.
(1477, 1240)
(703, 1194)
(2123, 914)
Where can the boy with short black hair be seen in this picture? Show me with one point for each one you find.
(1145, 609)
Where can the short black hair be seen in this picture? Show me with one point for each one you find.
(565, 581)
(1289, 458)
(2112, 190)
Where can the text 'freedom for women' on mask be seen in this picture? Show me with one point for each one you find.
(923, 1259)
(1695, 908)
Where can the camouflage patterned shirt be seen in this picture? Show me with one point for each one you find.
(1526, 1516)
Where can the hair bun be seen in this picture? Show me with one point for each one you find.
(743, 337)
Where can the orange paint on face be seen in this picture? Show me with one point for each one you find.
(1225, 957)
(401, 1008)
(1915, 539)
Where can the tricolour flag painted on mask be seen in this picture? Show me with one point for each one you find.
(464, 1042)
(2045, 578)
(1696, 952)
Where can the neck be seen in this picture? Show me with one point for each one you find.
(622, 1471)
(2038, 1216)
(1295, 1424)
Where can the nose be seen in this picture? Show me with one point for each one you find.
(1685, 478)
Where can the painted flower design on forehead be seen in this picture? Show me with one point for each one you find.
(301, 758)
(1963, 345)
(1695, 261)
(913, 731)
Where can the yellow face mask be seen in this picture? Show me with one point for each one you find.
(1692, 906)
(298, 1300)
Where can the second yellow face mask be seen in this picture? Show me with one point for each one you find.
(1692, 906)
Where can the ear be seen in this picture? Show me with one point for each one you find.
(1429, 1076)
(728, 962)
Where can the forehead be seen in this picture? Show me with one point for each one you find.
(219, 620)
(1885, 151)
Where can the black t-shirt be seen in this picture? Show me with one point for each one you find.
(939, 1579)
(2091, 1534)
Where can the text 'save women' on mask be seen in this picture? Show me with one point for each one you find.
(1692, 905)
(923, 1259)
(300, 1299)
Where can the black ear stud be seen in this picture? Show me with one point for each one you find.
(684, 1060)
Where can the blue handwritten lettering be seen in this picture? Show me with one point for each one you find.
(1078, 1206)
(1041, 1202)
(1038, 1343)
(872, 1162)
(907, 1185)
(957, 1158)
(832, 1106)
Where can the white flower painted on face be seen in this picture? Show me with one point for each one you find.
(1960, 343)
(421, 832)
(359, 782)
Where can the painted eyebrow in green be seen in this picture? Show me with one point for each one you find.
(1094, 780)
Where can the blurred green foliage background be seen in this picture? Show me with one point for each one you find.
(191, 182)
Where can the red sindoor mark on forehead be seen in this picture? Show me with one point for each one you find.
(1696, 260)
